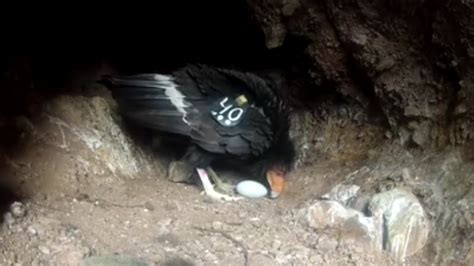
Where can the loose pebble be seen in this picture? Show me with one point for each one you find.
(18, 209)
(31, 231)
(44, 250)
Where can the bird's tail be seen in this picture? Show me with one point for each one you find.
(149, 100)
(140, 90)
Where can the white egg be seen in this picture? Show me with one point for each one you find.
(251, 189)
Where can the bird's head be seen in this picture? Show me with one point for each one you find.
(276, 181)
(277, 166)
(267, 90)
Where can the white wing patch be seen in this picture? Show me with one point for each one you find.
(175, 96)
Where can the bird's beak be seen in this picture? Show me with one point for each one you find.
(277, 183)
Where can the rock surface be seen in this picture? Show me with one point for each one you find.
(405, 224)
(342, 193)
(404, 65)
(397, 221)
(113, 261)
(17, 209)
(353, 227)
(412, 59)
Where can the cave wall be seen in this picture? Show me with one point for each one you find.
(409, 62)
(412, 60)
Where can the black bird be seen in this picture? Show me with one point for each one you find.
(227, 115)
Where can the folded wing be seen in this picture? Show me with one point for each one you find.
(160, 103)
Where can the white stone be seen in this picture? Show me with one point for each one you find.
(355, 227)
(405, 224)
(342, 193)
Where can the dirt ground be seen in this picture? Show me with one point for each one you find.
(166, 224)
(87, 189)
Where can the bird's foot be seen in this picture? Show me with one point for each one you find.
(219, 184)
(209, 188)
(179, 172)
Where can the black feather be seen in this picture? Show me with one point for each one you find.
(261, 136)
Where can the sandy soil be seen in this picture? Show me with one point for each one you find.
(89, 189)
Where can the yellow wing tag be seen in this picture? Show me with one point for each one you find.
(241, 100)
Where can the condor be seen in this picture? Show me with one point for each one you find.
(225, 115)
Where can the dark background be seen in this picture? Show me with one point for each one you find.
(45, 46)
